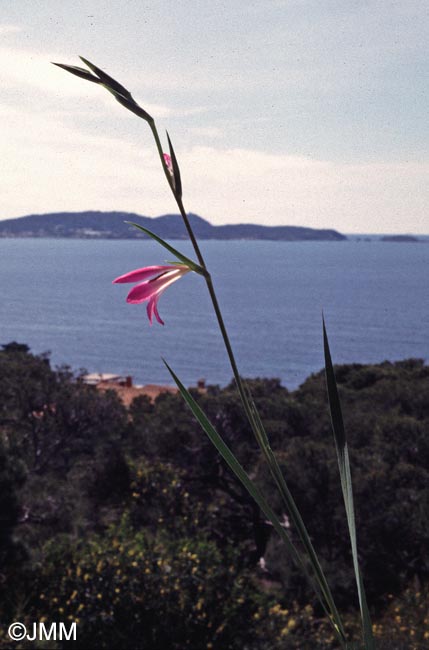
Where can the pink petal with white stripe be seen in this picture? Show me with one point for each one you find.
(153, 310)
(151, 289)
(141, 274)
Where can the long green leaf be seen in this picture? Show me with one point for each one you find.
(121, 94)
(192, 265)
(346, 485)
(294, 514)
(79, 72)
(108, 80)
(255, 493)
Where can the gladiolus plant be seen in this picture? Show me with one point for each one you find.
(151, 283)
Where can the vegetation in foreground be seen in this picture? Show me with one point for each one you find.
(129, 523)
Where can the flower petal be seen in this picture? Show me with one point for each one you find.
(167, 160)
(157, 279)
(153, 309)
(149, 308)
(141, 292)
(145, 290)
(142, 274)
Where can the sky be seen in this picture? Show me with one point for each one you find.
(291, 112)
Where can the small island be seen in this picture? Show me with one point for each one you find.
(406, 239)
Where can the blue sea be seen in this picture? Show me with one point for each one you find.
(57, 296)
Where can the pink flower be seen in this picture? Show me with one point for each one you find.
(173, 173)
(167, 160)
(155, 281)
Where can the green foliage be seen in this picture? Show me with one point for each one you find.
(56, 430)
(130, 589)
(12, 552)
(82, 478)
(389, 455)
(47, 418)
(392, 534)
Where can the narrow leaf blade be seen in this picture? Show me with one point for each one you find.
(346, 485)
(107, 79)
(121, 94)
(192, 265)
(293, 512)
(254, 491)
(79, 72)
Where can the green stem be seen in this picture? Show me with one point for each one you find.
(208, 279)
(125, 98)
(177, 199)
(253, 417)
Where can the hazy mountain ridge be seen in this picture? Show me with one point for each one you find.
(111, 225)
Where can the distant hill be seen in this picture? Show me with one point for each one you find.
(110, 225)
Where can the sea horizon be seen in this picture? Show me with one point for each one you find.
(58, 296)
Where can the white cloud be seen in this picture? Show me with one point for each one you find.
(211, 132)
(241, 185)
(26, 68)
(32, 75)
(48, 166)
(9, 29)
(49, 162)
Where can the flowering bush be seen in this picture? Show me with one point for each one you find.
(141, 586)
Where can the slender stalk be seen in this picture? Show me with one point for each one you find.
(208, 278)
(177, 199)
(252, 414)
(253, 417)
(124, 97)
